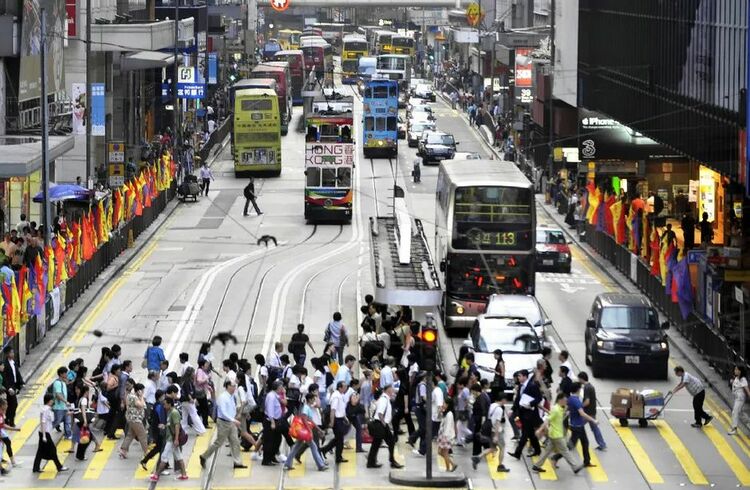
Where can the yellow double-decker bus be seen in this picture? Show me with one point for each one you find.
(289, 38)
(383, 42)
(402, 45)
(257, 132)
(353, 48)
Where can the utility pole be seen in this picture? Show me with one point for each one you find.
(46, 212)
(89, 81)
(551, 84)
(177, 142)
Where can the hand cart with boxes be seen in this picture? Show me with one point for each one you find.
(641, 405)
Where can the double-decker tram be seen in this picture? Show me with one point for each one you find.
(256, 132)
(354, 47)
(485, 231)
(395, 67)
(380, 122)
(329, 160)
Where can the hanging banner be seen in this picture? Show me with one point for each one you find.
(98, 126)
(78, 94)
(524, 62)
(213, 68)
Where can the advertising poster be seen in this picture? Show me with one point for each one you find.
(213, 68)
(31, 35)
(98, 126)
(523, 67)
(78, 96)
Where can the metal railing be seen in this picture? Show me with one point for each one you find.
(215, 138)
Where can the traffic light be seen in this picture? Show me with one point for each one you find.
(429, 346)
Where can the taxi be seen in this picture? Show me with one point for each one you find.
(552, 250)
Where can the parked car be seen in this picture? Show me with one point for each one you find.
(401, 128)
(526, 306)
(413, 109)
(416, 128)
(424, 91)
(623, 335)
(513, 335)
(465, 155)
(437, 146)
(552, 250)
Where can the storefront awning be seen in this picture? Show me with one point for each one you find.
(145, 60)
(22, 155)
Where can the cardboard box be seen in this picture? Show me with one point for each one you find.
(620, 400)
(619, 412)
(636, 406)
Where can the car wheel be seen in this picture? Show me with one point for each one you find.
(642, 423)
(623, 422)
(586, 356)
(596, 370)
(567, 269)
(665, 372)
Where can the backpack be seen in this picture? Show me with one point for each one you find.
(51, 388)
(249, 191)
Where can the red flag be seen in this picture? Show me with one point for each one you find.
(87, 243)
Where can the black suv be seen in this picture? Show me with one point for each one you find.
(623, 335)
(437, 146)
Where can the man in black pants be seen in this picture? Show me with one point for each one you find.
(339, 422)
(381, 430)
(479, 413)
(249, 193)
(13, 382)
(526, 406)
(272, 424)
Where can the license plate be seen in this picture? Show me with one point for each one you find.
(632, 359)
(548, 262)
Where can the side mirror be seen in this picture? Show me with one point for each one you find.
(457, 143)
(442, 266)
(590, 323)
(547, 322)
(665, 326)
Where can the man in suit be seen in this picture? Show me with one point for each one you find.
(13, 382)
(526, 406)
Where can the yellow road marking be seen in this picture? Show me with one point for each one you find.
(733, 461)
(549, 472)
(686, 460)
(397, 454)
(140, 473)
(99, 461)
(606, 284)
(243, 472)
(200, 446)
(596, 472)
(299, 469)
(642, 460)
(27, 429)
(492, 462)
(350, 467)
(50, 470)
(726, 421)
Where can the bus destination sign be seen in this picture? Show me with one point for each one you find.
(329, 154)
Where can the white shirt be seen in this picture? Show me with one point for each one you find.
(568, 365)
(46, 418)
(230, 376)
(386, 376)
(437, 403)
(383, 406)
(274, 360)
(692, 384)
(102, 404)
(183, 368)
(738, 388)
(163, 382)
(294, 382)
(206, 173)
(348, 395)
(338, 405)
(211, 125)
(149, 391)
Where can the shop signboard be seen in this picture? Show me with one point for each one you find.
(98, 113)
(466, 36)
(191, 90)
(213, 68)
(604, 138)
(72, 18)
(524, 76)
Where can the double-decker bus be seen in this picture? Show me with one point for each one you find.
(395, 67)
(331, 32)
(380, 108)
(329, 160)
(256, 132)
(296, 61)
(485, 235)
(383, 42)
(353, 48)
(318, 55)
(279, 71)
(288, 38)
(265, 83)
(403, 44)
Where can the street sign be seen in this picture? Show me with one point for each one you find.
(116, 153)
(280, 5)
(186, 74)
(474, 14)
(191, 90)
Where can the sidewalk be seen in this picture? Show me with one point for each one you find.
(709, 376)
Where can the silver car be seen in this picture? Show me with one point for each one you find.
(526, 306)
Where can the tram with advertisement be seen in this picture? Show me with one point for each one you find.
(485, 236)
(354, 46)
(329, 160)
(380, 108)
(296, 61)
(256, 132)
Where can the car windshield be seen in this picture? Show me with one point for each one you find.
(418, 128)
(553, 237)
(439, 139)
(509, 338)
(526, 308)
(629, 318)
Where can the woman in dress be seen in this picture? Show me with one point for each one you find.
(447, 435)
(741, 392)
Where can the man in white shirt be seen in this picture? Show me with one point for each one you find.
(564, 358)
(184, 364)
(229, 374)
(274, 360)
(381, 426)
(695, 387)
(345, 370)
(226, 426)
(386, 374)
(211, 126)
(339, 422)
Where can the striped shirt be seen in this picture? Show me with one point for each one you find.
(692, 384)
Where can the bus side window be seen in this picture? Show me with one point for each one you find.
(313, 177)
(392, 123)
(369, 123)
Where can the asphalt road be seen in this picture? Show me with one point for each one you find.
(205, 272)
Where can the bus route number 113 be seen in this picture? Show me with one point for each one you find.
(498, 238)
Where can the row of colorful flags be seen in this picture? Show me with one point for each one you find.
(23, 292)
(633, 230)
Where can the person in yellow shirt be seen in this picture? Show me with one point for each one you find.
(553, 425)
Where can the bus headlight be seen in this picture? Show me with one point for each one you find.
(459, 309)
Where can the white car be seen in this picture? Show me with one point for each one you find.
(526, 306)
(425, 92)
(465, 155)
(416, 128)
(514, 336)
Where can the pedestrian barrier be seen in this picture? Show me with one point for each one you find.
(215, 138)
(703, 337)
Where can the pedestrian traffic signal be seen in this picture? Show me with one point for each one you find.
(429, 347)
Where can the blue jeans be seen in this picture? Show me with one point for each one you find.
(62, 416)
(298, 446)
(597, 435)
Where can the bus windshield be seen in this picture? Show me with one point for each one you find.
(405, 42)
(390, 63)
(355, 46)
(349, 66)
(378, 92)
(492, 217)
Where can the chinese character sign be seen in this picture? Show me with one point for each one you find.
(98, 127)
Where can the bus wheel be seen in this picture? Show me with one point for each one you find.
(284, 132)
